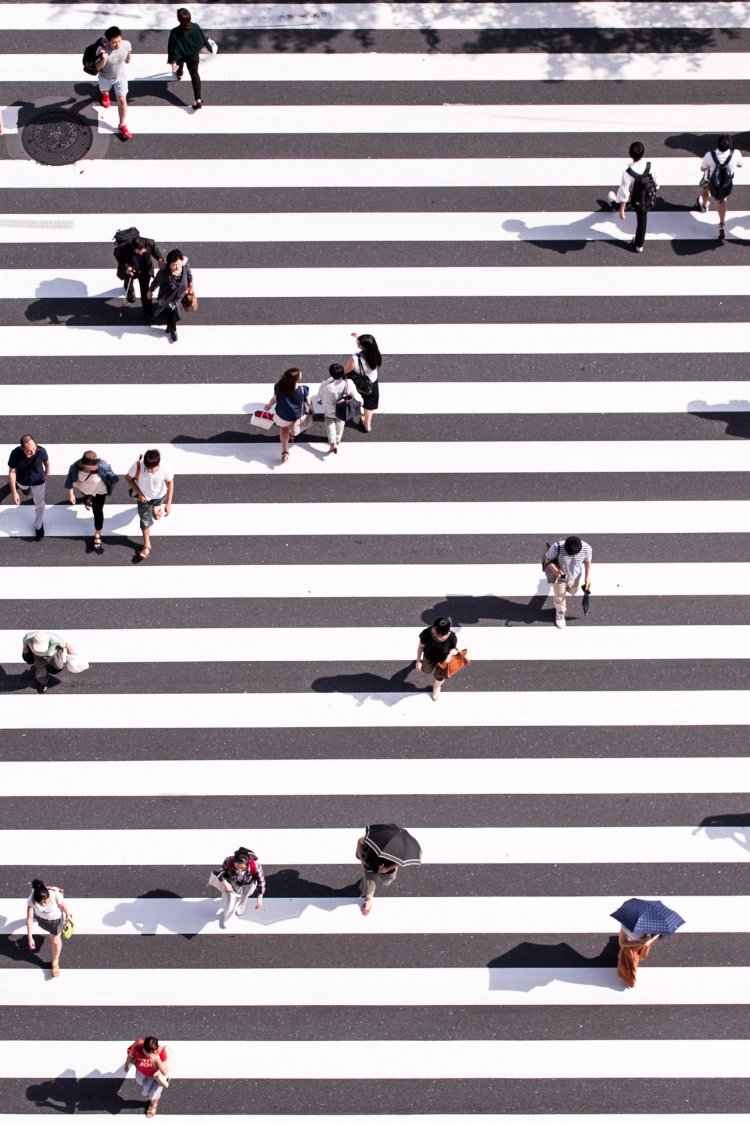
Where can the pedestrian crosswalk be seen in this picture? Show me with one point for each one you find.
(435, 174)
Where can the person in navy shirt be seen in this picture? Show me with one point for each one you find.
(28, 466)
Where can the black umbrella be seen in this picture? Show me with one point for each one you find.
(586, 599)
(393, 843)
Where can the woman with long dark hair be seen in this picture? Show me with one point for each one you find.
(185, 42)
(364, 367)
(46, 906)
(151, 1069)
(292, 402)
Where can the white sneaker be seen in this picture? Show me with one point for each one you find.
(559, 619)
(612, 200)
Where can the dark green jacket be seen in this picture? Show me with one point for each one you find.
(184, 43)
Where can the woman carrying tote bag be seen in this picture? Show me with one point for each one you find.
(336, 395)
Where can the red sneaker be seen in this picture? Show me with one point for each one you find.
(125, 132)
(105, 101)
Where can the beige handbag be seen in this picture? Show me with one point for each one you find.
(215, 881)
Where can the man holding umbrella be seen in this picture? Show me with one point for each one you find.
(381, 850)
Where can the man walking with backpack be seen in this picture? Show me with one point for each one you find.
(637, 189)
(718, 168)
(137, 260)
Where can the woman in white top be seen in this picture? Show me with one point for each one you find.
(329, 392)
(366, 362)
(46, 905)
(94, 479)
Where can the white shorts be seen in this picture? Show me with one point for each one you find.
(120, 85)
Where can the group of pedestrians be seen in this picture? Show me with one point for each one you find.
(150, 478)
(350, 392)
(165, 281)
(639, 184)
(112, 54)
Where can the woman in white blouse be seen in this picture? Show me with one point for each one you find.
(46, 905)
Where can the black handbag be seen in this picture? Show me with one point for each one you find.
(347, 407)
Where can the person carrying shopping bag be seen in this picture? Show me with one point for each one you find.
(46, 907)
(183, 49)
(293, 408)
(241, 874)
(151, 1069)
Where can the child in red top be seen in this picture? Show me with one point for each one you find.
(149, 1059)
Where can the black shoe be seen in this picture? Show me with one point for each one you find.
(41, 688)
(39, 533)
(173, 335)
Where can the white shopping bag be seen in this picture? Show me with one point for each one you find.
(76, 663)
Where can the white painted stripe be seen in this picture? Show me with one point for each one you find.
(373, 226)
(416, 458)
(377, 710)
(372, 67)
(427, 776)
(648, 338)
(479, 172)
(721, 516)
(252, 582)
(470, 16)
(332, 916)
(207, 399)
(372, 645)
(373, 986)
(441, 845)
(411, 281)
(724, 1058)
(190, 399)
(335, 120)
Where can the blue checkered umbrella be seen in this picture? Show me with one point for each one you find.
(647, 918)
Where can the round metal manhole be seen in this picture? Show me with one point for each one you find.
(57, 137)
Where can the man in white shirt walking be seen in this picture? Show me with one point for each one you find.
(717, 178)
(636, 190)
(112, 56)
(152, 481)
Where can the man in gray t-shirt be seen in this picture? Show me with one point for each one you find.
(112, 56)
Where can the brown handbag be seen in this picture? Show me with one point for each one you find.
(453, 665)
(190, 302)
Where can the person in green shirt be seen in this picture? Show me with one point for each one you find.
(185, 43)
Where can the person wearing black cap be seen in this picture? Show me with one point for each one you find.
(563, 563)
(94, 478)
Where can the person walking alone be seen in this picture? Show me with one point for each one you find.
(436, 645)
(46, 652)
(632, 950)
(364, 367)
(94, 479)
(637, 189)
(46, 906)
(28, 466)
(563, 563)
(241, 874)
(153, 484)
(291, 401)
(151, 1069)
(718, 167)
(183, 49)
(112, 56)
(375, 872)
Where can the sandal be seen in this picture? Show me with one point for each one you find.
(197, 104)
(144, 552)
(366, 906)
(284, 457)
(55, 968)
(98, 548)
(89, 502)
(151, 1109)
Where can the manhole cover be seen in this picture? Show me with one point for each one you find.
(57, 137)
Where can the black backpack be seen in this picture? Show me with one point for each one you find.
(643, 192)
(123, 239)
(88, 59)
(721, 179)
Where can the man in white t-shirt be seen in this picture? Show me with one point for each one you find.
(112, 56)
(152, 481)
(630, 193)
(717, 178)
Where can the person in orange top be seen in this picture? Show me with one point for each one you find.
(150, 1060)
(632, 950)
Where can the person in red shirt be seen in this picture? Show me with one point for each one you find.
(150, 1060)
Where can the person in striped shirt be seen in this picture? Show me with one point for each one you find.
(563, 563)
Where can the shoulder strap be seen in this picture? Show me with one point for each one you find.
(648, 168)
(631, 173)
(138, 468)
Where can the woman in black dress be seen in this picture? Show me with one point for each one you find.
(364, 364)
(436, 644)
(174, 282)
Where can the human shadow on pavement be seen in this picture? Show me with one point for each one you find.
(95, 1092)
(736, 420)
(472, 610)
(369, 685)
(733, 825)
(530, 965)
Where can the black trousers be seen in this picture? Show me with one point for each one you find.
(97, 507)
(641, 221)
(168, 316)
(144, 280)
(191, 61)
